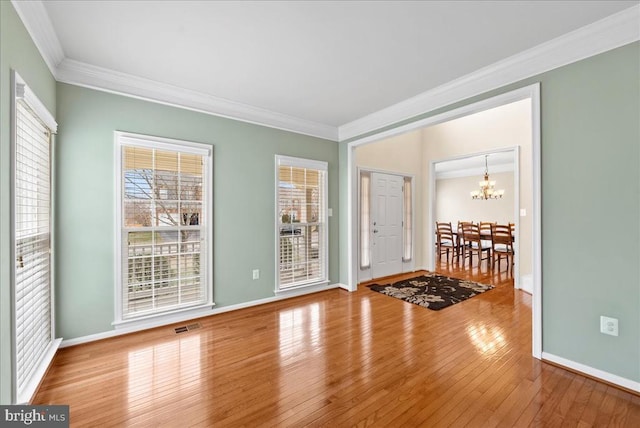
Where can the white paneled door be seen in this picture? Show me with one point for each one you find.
(386, 226)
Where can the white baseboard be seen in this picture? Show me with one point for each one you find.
(213, 311)
(24, 397)
(526, 283)
(593, 372)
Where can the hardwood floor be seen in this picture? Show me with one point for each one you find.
(337, 359)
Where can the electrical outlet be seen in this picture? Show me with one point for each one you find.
(256, 273)
(609, 325)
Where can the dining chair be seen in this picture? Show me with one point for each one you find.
(445, 240)
(473, 244)
(460, 241)
(502, 245)
(485, 232)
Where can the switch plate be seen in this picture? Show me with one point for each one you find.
(609, 325)
(523, 212)
(256, 273)
(329, 212)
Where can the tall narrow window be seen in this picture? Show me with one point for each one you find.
(164, 225)
(407, 220)
(33, 286)
(301, 224)
(365, 220)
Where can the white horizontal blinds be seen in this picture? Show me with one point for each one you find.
(32, 242)
(365, 220)
(407, 220)
(163, 230)
(302, 233)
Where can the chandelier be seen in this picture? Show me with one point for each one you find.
(487, 190)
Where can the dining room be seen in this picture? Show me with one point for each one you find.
(475, 202)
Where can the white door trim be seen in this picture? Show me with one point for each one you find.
(532, 92)
(407, 266)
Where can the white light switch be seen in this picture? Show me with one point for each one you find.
(329, 212)
(256, 274)
(523, 212)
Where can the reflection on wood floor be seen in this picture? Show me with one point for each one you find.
(336, 359)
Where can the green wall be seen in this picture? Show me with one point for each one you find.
(590, 177)
(243, 195)
(591, 210)
(590, 144)
(17, 52)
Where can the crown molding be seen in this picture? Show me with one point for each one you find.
(38, 24)
(103, 79)
(609, 33)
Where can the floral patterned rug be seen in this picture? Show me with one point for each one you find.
(432, 291)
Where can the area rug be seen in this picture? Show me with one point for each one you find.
(432, 291)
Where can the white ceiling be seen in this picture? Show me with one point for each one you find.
(326, 62)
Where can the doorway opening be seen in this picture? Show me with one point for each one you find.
(424, 219)
(453, 180)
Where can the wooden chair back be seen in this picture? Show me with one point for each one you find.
(501, 235)
(502, 245)
(470, 232)
(485, 227)
(445, 240)
(473, 244)
(444, 233)
(461, 224)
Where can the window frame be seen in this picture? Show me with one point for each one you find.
(128, 139)
(322, 166)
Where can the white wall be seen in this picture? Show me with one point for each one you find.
(453, 202)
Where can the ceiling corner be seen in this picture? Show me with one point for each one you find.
(36, 20)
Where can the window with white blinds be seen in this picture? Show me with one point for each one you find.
(407, 219)
(365, 220)
(301, 222)
(33, 309)
(164, 227)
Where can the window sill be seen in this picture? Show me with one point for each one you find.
(304, 289)
(165, 318)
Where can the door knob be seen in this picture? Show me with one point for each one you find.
(375, 230)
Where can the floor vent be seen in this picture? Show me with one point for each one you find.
(193, 326)
(187, 328)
